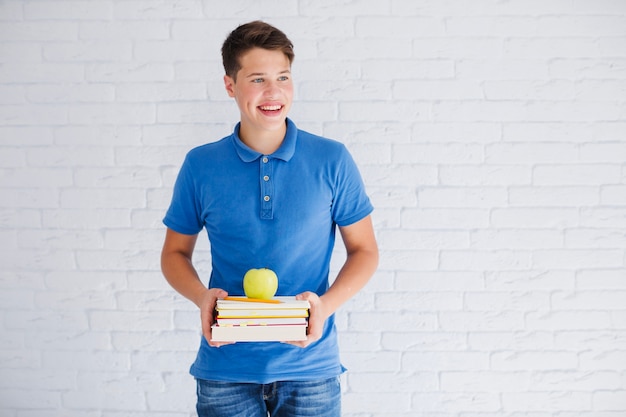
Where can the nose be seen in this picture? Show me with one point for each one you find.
(271, 88)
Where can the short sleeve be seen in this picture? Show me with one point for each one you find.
(183, 215)
(351, 202)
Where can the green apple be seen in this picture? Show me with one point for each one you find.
(260, 283)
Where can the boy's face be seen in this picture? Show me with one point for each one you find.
(263, 90)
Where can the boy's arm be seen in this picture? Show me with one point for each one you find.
(360, 265)
(182, 276)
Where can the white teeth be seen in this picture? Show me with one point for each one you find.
(271, 108)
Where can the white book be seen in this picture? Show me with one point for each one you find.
(280, 333)
(282, 302)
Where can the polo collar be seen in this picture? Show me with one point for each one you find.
(284, 152)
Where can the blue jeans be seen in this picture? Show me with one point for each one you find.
(278, 399)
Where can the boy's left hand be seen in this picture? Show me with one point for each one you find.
(317, 318)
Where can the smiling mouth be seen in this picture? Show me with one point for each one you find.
(273, 108)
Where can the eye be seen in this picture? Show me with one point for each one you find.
(257, 80)
(283, 78)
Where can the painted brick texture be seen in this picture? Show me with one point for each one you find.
(492, 139)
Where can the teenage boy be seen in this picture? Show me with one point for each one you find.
(269, 195)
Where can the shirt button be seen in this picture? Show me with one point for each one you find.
(265, 159)
(266, 178)
(266, 198)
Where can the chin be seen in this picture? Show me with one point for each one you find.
(275, 123)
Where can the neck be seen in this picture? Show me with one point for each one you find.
(263, 141)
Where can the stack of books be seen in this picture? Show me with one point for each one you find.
(241, 319)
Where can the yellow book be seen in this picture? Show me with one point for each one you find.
(276, 307)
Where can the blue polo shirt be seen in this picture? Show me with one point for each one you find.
(278, 211)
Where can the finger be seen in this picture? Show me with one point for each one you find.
(298, 343)
(219, 344)
(220, 293)
(208, 335)
(306, 295)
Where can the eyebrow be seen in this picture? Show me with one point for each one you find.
(262, 74)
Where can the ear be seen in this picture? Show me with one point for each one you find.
(229, 84)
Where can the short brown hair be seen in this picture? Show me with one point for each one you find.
(251, 35)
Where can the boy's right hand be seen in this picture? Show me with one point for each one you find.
(207, 309)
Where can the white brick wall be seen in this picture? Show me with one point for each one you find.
(491, 136)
